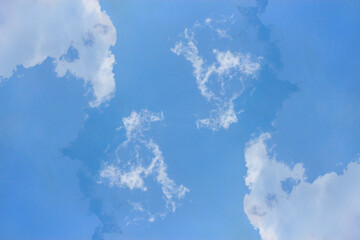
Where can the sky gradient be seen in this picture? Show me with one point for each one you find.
(179, 120)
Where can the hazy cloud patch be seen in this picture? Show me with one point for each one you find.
(137, 161)
(222, 80)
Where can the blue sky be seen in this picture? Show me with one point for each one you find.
(179, 120)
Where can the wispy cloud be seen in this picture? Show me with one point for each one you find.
(147, 163)
(222, 81)
(283, 205)
(77, 35)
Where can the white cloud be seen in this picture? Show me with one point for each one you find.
(228, 61)
(148, 163)
(131, 179)
(142, 214)
(282, 205)
(222, 33)
(32, 31)
(137, 123)
(220, 82)
(191, 53)
(223, 117)
(158, 166)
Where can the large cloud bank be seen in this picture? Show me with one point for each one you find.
(76, 34)
(282, 205)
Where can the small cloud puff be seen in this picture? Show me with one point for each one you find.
(282, 205)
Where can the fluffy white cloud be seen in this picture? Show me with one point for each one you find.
(220, 82)
(282, 205)
(34, 30)
(148, 162)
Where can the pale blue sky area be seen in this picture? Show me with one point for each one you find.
(54, 146)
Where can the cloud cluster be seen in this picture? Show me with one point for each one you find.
(77, 35)
(148, 161)
(282, 205)
(222, 81)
